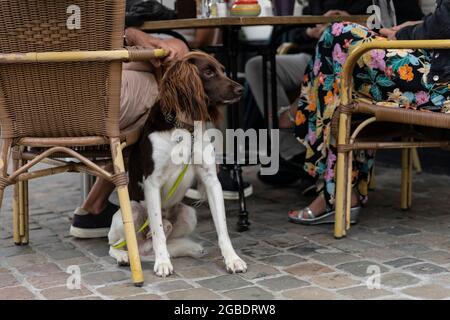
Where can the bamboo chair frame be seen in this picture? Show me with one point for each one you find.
(347, 141)
(23, 161)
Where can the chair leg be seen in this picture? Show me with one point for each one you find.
(410, 177)
(16, 209)
(348, 206)
(125, 207)
(16, 214)
(416, 160)
(20, 207)
(341, 195)
(372, 183)
(23, 212)
(406, 188)
(342, 187)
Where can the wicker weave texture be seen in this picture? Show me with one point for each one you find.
(70, 99)
(40, 26)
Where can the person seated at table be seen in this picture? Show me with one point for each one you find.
(413, 79)
(289, 71)
(200, 38)
(138, 94)
(140, 11)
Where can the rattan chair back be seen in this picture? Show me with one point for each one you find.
(70, 99)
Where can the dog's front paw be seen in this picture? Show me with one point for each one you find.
(163, 268)
(121, 256)
(235, 265)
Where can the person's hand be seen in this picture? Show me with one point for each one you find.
(337, 13)
(137, 38)
(316, 32)
(390, 33)
(175, 48)
(406, 24)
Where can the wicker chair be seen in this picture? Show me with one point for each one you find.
(60, 94)
(347, 141)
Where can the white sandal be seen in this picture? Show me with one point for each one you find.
(326, 218)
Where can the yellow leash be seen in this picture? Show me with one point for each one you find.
(169, 195)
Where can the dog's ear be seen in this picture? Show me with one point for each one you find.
(182, 91)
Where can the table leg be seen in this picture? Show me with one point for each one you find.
(227, 43)
(87, 181)
(231, 41)
(234, 52)
(265, 89)
(243, 224)
(273, 86)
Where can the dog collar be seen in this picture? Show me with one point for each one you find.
(172, 119)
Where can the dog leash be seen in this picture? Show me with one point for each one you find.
(169, 195)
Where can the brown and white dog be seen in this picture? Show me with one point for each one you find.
(192, 89)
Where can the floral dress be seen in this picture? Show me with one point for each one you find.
(396, 76)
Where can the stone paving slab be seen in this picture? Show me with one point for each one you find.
(285, 261)
(334, 281)
(282, 283)
(363, 293)
(250, 293)
(396, 280)
(359, 268)
(310, 293)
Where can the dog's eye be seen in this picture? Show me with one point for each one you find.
(209, 73)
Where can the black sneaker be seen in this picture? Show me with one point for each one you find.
(87, 225)
(230, 187)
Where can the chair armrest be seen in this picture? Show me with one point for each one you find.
(358, 51)
(399, 115)
(144, 54)
(133, 54)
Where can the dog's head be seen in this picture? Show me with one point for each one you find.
(195, 86)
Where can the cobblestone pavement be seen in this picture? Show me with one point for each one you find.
(285, 261)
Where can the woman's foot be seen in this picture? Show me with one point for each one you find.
(318, 209)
